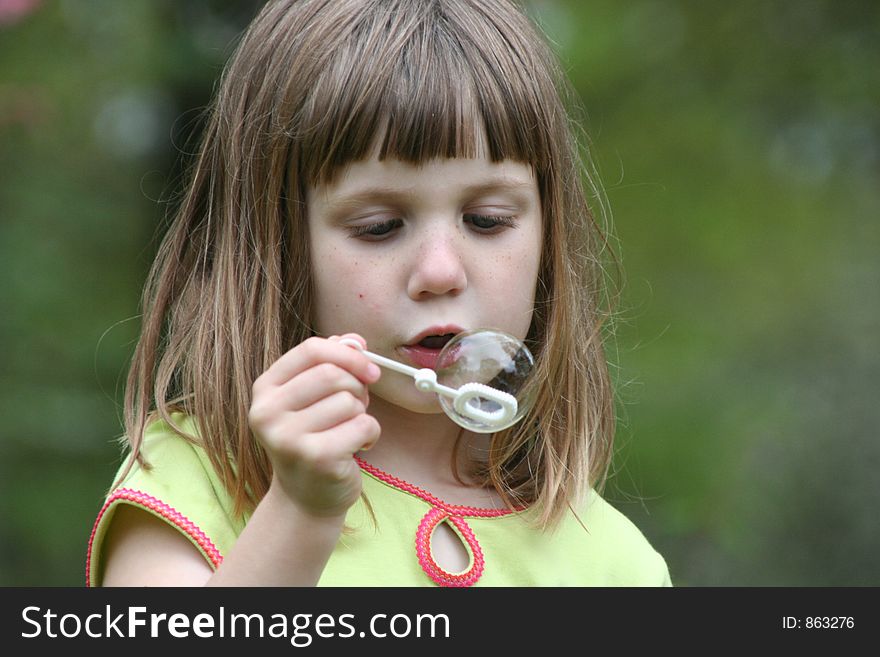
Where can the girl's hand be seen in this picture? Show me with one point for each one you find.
(308, 410)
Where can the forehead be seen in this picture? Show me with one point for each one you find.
(375, 178)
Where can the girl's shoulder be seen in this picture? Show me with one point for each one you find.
(619, 541)
(175, 482)
(174, 465)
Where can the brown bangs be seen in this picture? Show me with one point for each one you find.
(417, 80)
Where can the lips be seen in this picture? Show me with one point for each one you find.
(424, 349)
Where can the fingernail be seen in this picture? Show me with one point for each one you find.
(373, 370)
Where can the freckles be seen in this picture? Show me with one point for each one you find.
(503, 266)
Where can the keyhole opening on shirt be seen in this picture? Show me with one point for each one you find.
(449, 549)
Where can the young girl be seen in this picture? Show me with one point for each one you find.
(393, 172)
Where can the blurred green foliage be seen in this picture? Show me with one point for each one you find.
(739, 148)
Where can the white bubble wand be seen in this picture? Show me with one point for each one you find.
(466, 399)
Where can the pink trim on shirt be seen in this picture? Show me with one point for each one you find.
(162, 509)
(453, 509)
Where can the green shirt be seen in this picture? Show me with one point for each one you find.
(182, 489)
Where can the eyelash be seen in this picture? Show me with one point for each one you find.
(370, 230)
(381, 229)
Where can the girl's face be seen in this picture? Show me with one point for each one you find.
(402, 252)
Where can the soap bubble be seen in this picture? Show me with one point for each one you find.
(492, 358)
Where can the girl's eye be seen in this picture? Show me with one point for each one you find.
(377, 231)
(485, 223)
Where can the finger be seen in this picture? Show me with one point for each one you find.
(358, 433)
(294, 444)
(328, 413)
(320, 350)
(349, 336)
(319, 382)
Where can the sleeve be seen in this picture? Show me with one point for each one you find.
(662, 570)
(630, 558)
(179, 488)
(639, 565)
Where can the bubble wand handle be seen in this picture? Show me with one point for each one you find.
(463, 398)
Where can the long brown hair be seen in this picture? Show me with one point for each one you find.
(311, 87)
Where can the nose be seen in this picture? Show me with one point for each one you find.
(438, 267)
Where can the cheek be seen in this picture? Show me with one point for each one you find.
(513, 278)
(348, 293)
(368, 302)
(334, 289)
(521, 265)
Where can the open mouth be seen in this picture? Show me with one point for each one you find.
(436, 341)
(426, 352)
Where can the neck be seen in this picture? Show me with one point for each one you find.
(418, 447)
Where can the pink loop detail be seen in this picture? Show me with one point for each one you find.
(423, 550)
(439, 512)
(159, 507)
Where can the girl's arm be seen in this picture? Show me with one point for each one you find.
(309, 413)
(141, 550)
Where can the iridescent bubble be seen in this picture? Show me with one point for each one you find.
(492, 358)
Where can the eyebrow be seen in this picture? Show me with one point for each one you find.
(379, 193)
